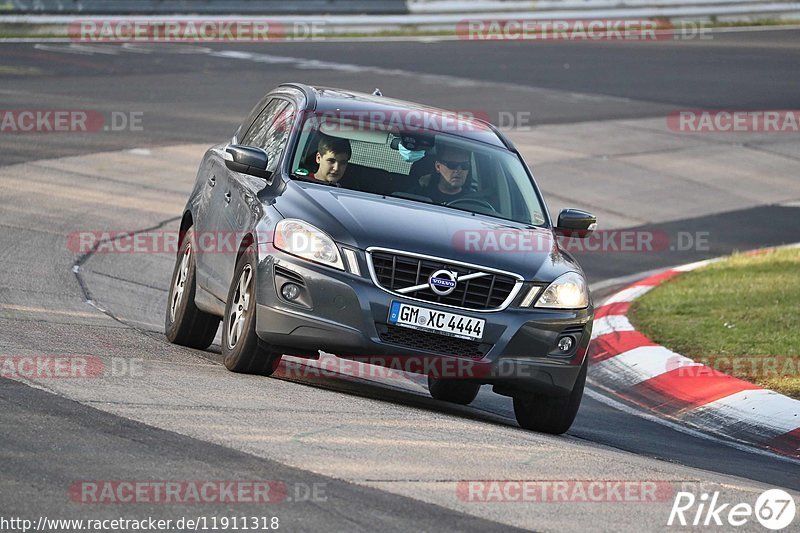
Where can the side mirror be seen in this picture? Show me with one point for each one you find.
(575, 223)
(248, 160)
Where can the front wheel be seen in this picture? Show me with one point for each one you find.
(242, 351)
(549, 414)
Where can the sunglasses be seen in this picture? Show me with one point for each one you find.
(456, 165)
(413, 143)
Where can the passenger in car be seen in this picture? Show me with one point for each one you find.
(451, 171)
(333, 155)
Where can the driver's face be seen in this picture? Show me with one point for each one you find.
(454, 169)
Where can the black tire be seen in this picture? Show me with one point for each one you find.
(453, 391)
(184, 323)
(242, 350)
(548, 414)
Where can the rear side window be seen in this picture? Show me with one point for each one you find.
(380, 156)
(271, 129)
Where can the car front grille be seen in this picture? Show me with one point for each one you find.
(394, 271)
(432, 342)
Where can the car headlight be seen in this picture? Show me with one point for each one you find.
(304, 240)
(568, 291)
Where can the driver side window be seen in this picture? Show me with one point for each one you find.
(271, 129)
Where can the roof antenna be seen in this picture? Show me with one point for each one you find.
(377, 92)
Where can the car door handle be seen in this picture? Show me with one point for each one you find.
(227, 197)
(212, 181)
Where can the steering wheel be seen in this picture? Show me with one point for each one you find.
(474, 201)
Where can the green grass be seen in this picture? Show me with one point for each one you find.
(741, 316)
(760, 22)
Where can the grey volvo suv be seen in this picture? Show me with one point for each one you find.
(387, 232)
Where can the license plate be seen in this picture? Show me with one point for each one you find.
(442, 322)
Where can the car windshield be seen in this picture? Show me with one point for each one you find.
(420, 165)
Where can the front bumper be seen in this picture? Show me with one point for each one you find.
(347, 315)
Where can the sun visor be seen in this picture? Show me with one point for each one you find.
(356, 131)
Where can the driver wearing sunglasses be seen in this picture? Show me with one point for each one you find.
(451, 171)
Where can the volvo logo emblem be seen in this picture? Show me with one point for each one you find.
(443, 282)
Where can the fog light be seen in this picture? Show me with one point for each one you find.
(290, 291)
(565, 344)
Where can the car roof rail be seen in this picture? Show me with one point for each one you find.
(502, 136)
(308, 92)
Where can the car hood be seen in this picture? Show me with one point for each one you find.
(365, 220)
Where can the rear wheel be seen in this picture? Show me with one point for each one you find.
(549, 414)
(184, 323)
(449, 390)
(242, 351)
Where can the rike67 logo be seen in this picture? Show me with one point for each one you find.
(774, 509)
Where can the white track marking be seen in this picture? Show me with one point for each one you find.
(610, 324)
(629, 294)
(756, 408)
(641, 364)
(619, 406)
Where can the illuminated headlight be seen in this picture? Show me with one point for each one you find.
(304, 240)
(567, 292)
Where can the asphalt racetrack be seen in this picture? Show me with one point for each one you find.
(382, 454)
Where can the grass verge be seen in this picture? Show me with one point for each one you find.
(740, 316)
